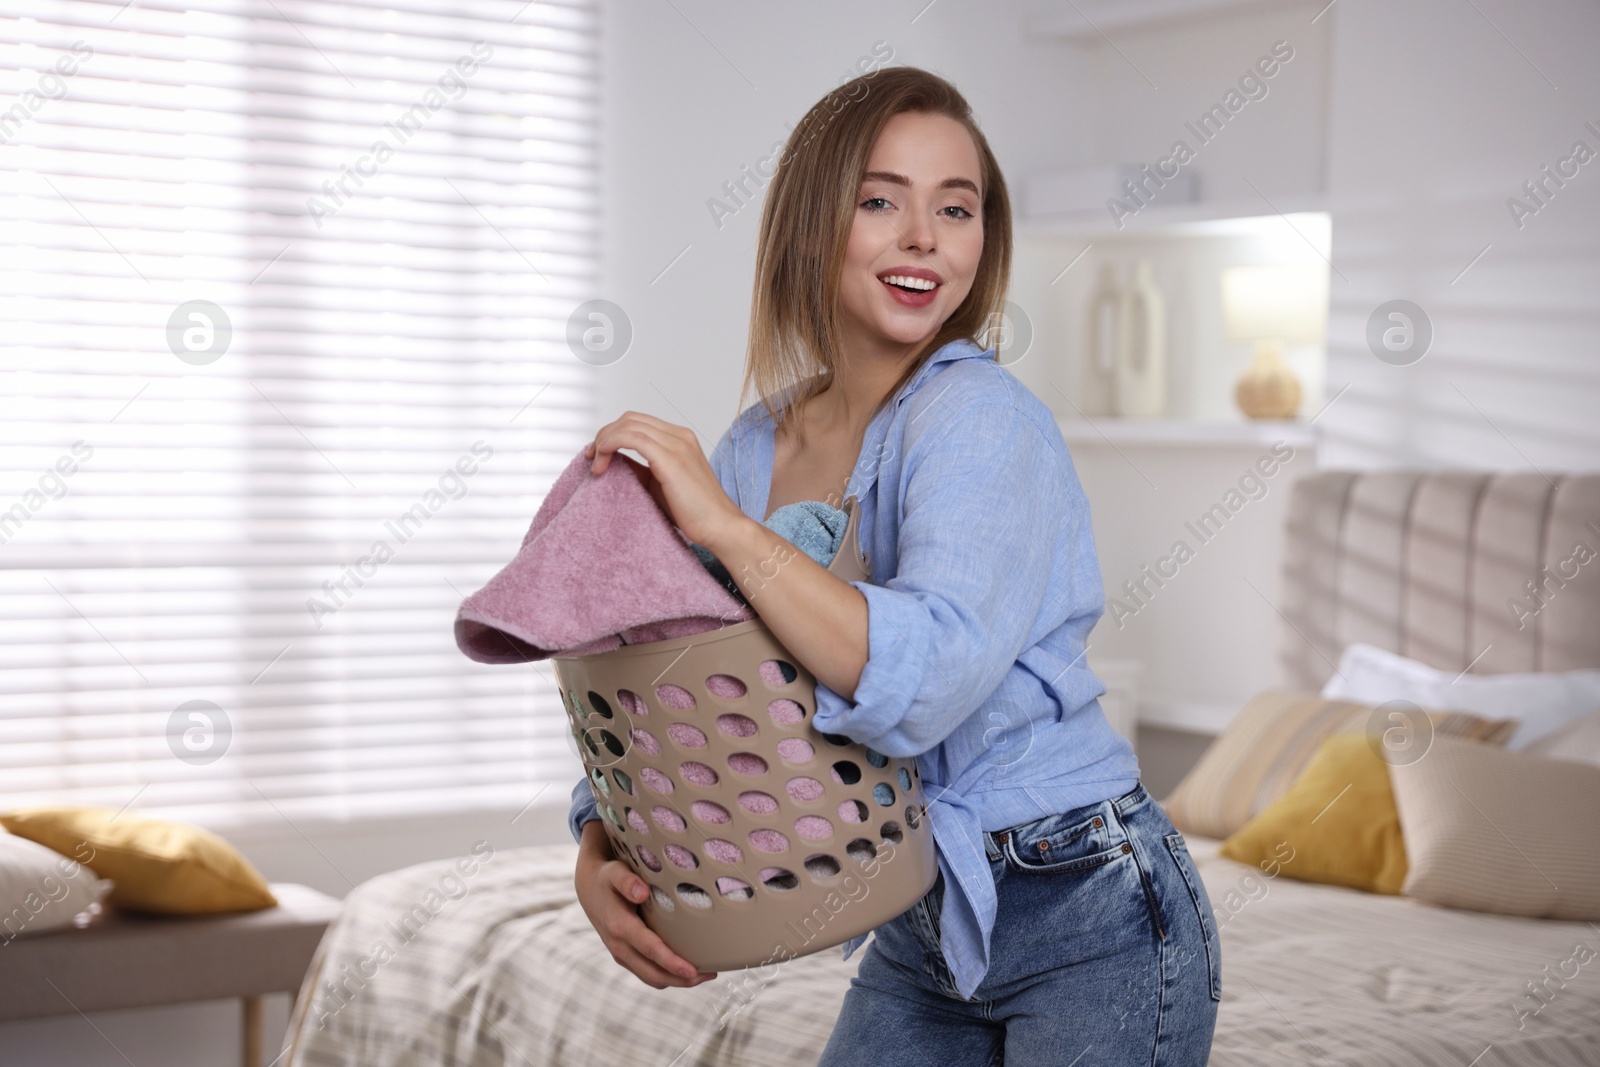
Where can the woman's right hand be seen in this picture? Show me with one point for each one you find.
(610, 894)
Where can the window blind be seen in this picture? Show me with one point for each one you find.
(286, 291)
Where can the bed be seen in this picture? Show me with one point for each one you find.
(426, 967)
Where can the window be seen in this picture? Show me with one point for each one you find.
(286, 293)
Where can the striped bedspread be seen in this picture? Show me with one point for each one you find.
(492, 962)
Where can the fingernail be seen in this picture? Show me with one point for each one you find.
(687, 972)
(639, 892)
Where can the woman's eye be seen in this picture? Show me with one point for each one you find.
(873, 200)
(964, 212)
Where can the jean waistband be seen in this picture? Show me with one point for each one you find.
(994, 839)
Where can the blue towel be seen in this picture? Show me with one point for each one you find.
(813, 527)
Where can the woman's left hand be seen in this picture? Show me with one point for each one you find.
(678, 476)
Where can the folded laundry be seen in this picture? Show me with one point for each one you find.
(816, 528)
(600, 566)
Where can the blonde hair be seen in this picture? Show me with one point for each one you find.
(795, 320)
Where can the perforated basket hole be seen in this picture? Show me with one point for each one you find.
(890, 832)
(796, 750)
(861, 850)
(648, 857)
(624, 783)
(734, 888)
(687, 736)
(636, 821)
(735, 725)
(905, 780)
(674, 696)
(613, 743)
(883, 793)
(837, 739)
(663, 900)
(632, 702)
(913, 816)
(853, 811)
(846, 773)
(667, 819)
(679, 856)
(776, 672)
(655, 780)
(612, 813)
(709, 812)
(748, 764)
(645, 740)
(822, 865)
(588, 743)
(803, 789)
(725, 686)
(598, 777)
(768, 841)
(698, 773)
(779, 878)
(724, 851)
(599, 705)
(693, 895)
(627, 852)
(758, 803)
(813, 828)
(786, 712)
(877, 759)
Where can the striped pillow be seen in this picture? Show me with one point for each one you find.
(1498, 831)
(1272, 739)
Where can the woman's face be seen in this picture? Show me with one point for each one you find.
(919, 214)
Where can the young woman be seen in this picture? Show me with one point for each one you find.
(1068, 924)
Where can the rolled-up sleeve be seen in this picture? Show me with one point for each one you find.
(984, 504)
(583, 808)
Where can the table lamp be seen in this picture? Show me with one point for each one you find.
(1273, 305)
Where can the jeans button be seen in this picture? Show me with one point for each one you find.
(1097, 822)
(1126, 848)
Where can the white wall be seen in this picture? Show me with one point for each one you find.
(1438, 116)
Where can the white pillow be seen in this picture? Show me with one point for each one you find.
(42, 890)
(1542, 702)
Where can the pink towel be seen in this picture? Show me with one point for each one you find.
(601, 566)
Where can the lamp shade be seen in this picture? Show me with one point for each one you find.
(1276, 301)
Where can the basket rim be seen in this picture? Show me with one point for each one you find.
(671, 644)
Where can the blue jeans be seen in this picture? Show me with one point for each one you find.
(1104, 953)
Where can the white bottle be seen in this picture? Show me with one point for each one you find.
(1105, 342)
(1142, 369)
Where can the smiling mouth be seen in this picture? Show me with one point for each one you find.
(909, 285)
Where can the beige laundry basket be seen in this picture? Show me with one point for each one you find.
(761, 838)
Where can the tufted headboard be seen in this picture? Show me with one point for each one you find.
(1433, 565)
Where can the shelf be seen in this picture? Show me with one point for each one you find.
(1092, 21)
(1113, 430)
(1198, 218)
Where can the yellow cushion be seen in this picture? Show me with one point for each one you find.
(157, 865)
(1337, 823)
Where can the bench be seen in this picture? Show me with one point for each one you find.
(137, 960)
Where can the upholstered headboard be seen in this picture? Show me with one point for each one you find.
(1454, 568)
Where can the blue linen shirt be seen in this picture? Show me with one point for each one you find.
(985, 586)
